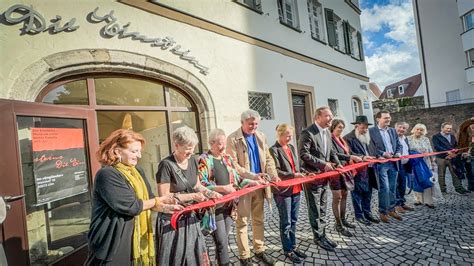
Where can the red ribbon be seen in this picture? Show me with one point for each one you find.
(291, 182)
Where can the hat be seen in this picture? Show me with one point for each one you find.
(361, 119)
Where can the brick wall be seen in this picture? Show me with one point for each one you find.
(434, 117)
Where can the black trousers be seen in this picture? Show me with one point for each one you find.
(316, 200)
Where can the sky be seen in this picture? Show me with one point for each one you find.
(389, 37)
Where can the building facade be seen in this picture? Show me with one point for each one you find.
(446, 47)
(86, 68)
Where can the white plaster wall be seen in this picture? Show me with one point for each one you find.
(267, 26)
(445, 59)
(235, 67)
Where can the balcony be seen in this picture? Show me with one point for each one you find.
(468, 39)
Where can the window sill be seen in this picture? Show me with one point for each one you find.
(290, 26)
(467, 31)
(249, 7)
(355, 58)
(342, 52)
(318, 40)
(469, 67)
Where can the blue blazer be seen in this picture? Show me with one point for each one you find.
(376, 141)
(441, 143)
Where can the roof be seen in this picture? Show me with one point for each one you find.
(411, 86)
(375, 89)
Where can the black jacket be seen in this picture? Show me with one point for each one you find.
(283, 166)
(441, 143)
(310, 151)
(114, 206)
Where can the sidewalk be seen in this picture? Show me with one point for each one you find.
(444, 235)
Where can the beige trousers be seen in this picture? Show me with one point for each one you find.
(426, 197)
(250, 209)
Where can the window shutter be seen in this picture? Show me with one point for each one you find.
(331, 27)
(347, 39)
(361, 48)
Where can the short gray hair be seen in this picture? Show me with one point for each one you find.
(405, 124)
(185, 136)
(422, 126)
(214, 134)
(249, 114)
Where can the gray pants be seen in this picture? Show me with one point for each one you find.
(442, 164)
(221, 237)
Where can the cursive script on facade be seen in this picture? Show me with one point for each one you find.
(34, 23)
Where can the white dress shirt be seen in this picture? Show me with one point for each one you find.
(324, 135)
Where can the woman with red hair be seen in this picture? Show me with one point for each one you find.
(121, 230)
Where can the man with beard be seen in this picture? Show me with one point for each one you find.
(359, 143)
(317, 155)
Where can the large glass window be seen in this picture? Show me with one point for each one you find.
(129, 92)
(74, 92)
(468, 20)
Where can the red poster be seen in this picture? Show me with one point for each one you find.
(59, 163)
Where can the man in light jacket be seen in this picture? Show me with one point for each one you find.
(249, 149)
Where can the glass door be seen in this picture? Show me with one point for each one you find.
(51, 165)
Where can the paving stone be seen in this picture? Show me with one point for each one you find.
(424, 237)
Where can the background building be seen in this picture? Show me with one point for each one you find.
(446, 47)
(90, 67)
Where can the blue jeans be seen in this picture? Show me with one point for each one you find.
(387, 175)
(401, 186)
(288, 207)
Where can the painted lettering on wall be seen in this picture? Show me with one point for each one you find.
(34, 23)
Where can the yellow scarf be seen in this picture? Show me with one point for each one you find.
(142, 241)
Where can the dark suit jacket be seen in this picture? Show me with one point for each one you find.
(378, 147)
(311, 152)
(440, 143)
(369, 177)
(283, 166)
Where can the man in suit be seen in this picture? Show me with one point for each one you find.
(386, 145)
(359, 141)
(317, 155)
(444, 141)
(404, 169)
(248, 148)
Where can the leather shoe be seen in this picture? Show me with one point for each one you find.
(418, 203)
(347, 224)
(400, 209)
(293, 257)
(372, 219)
(431, 206)
(343, 231)
(384, 218)
(324, 244)
(300, 253)
(330, 242)
(408, 208)
(395, 215)
(363, 221)
(265, 258)
(246, 262)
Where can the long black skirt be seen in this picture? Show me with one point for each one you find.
(184, 246)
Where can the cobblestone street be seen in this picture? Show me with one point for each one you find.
(425, 236)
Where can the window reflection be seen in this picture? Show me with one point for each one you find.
(129, 92)
(74, 92)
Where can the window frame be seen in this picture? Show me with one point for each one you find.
(318, 19)
(464, 20)
(270, 96)
(90, 77)
(257, 3)
(469, 58)
(389, 93)
(401, 89)
(282, 14)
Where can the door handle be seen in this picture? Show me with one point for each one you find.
(9, 199)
